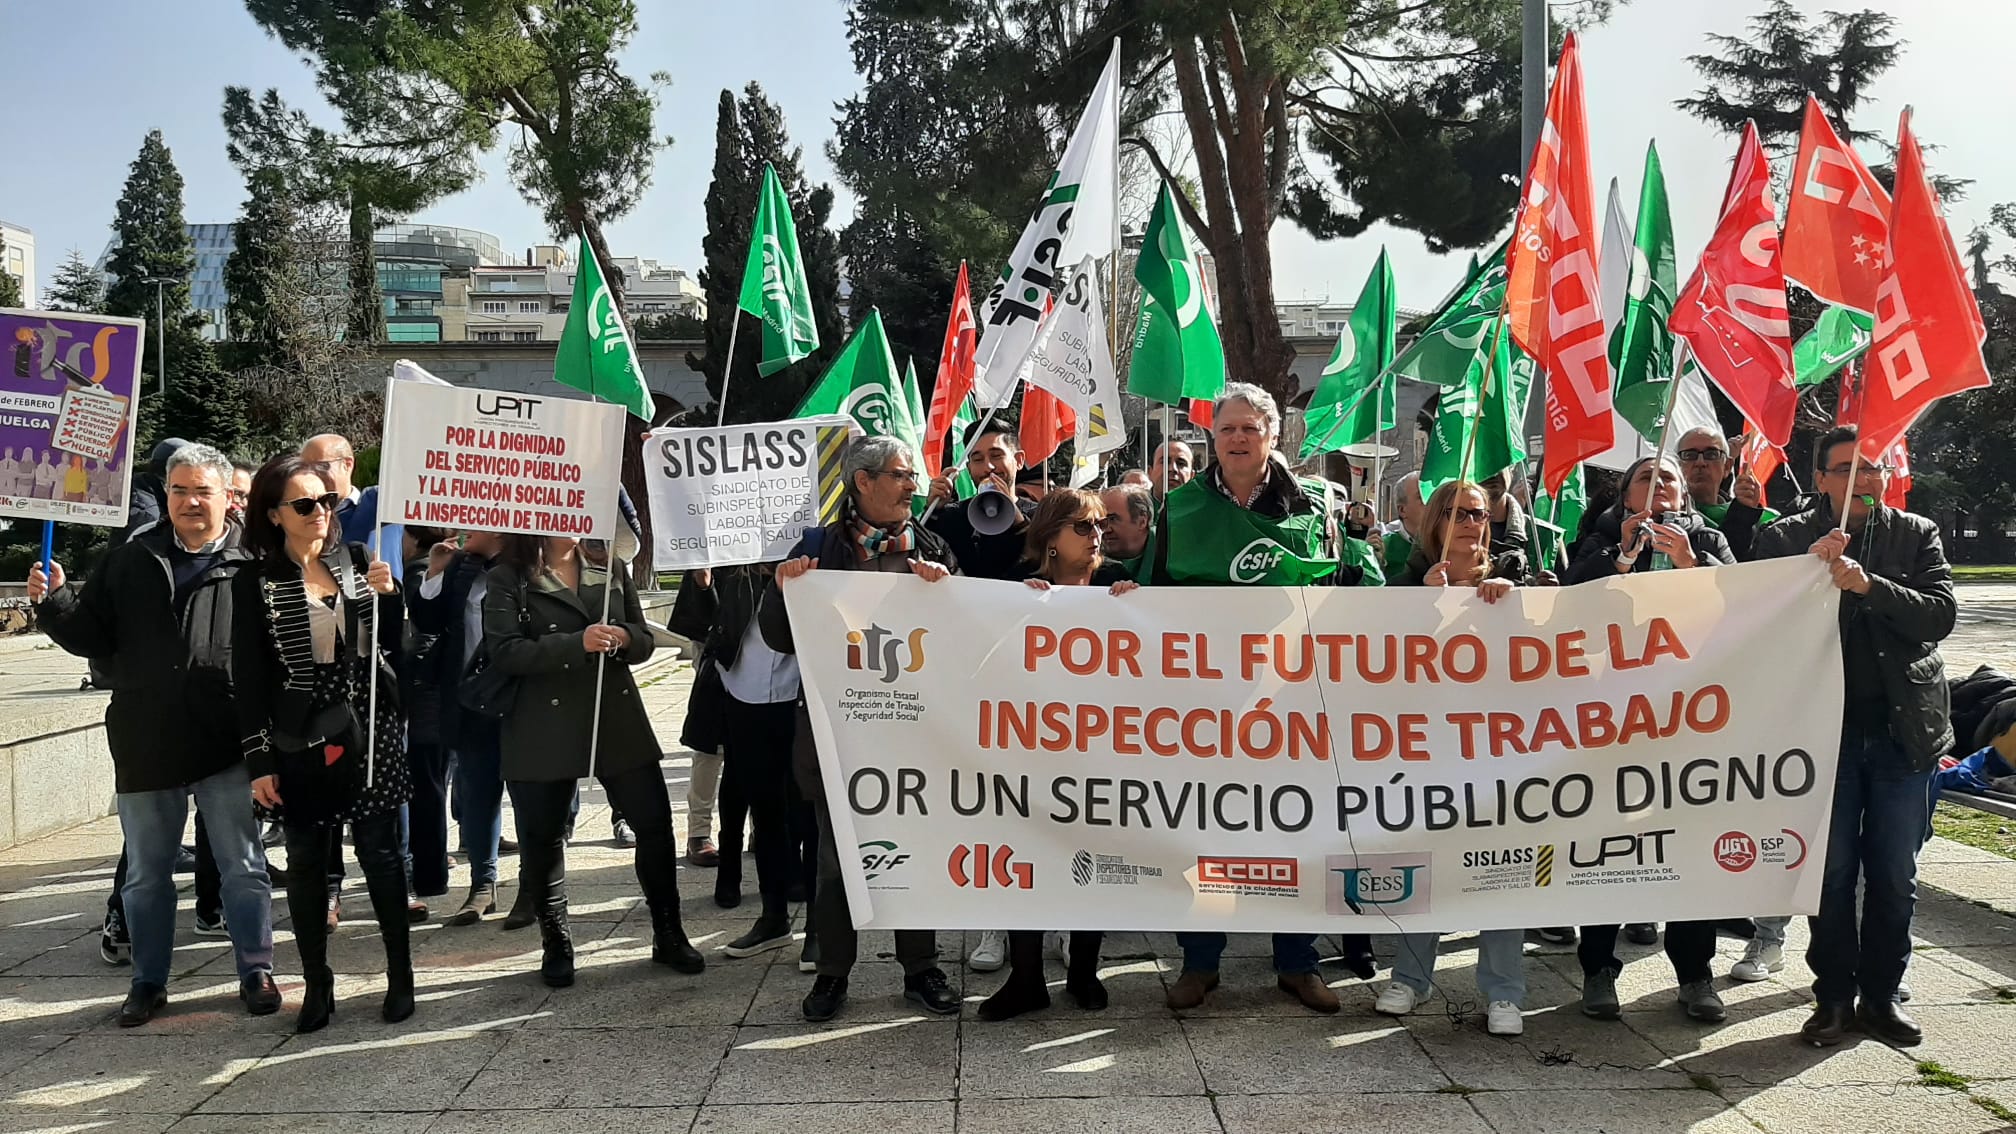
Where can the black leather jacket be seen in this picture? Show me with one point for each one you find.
(1896, 628)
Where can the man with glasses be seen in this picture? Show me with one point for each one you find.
(1705, 461)
(1896, 605)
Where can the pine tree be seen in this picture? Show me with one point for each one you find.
(10, 291)
(748, 133)
(1767, 77)
(76, 286)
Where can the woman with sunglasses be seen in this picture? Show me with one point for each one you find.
(542, 625)
(1454, 550)
(1063, 551)
(1652, 527)
(304, 665)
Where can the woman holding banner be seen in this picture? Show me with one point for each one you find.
(1455, 551)
(303, 668)
(1652, 527)
(1063, 550)
(540, 626)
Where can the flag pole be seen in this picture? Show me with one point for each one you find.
(371, 660)
(1476, 416)
(727, 366)
(1855, 458)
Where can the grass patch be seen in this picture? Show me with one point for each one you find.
(1933, 1075)
(1985, 573)
(2002, 1113)
(1976, 829)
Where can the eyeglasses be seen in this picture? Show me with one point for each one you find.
(1710, 454)
(1471, 515)
(306, 505)
(1866, 468)
(1085, 528)
(905, 476)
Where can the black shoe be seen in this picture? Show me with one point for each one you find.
(823, 1002)
(625, 837)
(141, 1004)
(318, 1004)
(185, 860)
(762, 937)
(211, 924)
(1642, 933)
(728, 889)
(115, 945)
(506, 846)
(808, 957)
(1361, 964)
(1023, 993)
(1558, 934)
(260, 994)
(416, 910)
(556, 961)
(521, 914)
(398, 996)
(1829, 1022)
(668, 942)
(929, 990)
(1885, 1019)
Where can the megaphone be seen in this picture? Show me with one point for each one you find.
(1367, 462)
(991, 511)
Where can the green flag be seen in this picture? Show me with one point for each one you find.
(1458, 330)
(1177, 354)
(1839, 338)
(913, 409)
(1558, 521)
(1500, 422)
(1363, 353)
(1641, 346)
(774, 288)
(955, 449)
(595, 350)
(862, 383)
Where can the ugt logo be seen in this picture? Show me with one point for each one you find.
(1379, 883)
(976, 868)
(878, 651)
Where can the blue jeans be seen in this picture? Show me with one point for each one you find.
(1293, 952)
(1501, 966)
(479, 792)
(1878, 825)
(152, 822)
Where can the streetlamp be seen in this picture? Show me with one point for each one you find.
(161, 327)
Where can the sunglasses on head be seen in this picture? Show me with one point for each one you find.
(306, 505)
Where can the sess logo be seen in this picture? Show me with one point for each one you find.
(1378, 884)
(1256, 559)
(979, 866)
(883, 654)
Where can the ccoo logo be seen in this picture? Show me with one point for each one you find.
(1256, 559)
(883, 654)
(980, 866)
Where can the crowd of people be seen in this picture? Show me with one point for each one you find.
(386, 698)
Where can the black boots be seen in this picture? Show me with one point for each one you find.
(668, 938)
(1026, 990)
(390, 906)
(1083, 983)
(556, 961)
(318, 1000)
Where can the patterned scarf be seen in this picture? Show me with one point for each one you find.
(874, 540)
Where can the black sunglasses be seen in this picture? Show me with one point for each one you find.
(1702, 454)
(1471, 515)
(1085, 527)
(306, 505)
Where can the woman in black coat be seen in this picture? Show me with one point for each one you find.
(543, 626)
(303, 667)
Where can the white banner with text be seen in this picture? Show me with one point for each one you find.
(1657, 748)
(741, 493)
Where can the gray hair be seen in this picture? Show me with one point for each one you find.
(869, 454)
(1140, 505)
(201, 457)
(1720, 437)
(1260, 400)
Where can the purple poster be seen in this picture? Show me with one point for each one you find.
(69, 405)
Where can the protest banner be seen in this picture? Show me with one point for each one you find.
(741, 493)
(457, 457)
(69, 406)
(1649, 748)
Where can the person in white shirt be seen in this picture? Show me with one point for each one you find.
(48, 478)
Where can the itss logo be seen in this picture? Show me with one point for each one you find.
(882, 653)
(505, 405)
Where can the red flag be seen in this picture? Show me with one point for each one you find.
(1732, 312)
(1898, 492)
(955, 373)
(1837, 222)
(1551, 292)
(1760, 457)
(1200, 412)
(1928, 327)
(1046, 422)
(1848, 398)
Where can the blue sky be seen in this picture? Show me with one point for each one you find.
(85, 80)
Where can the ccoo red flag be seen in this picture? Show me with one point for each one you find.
(1045, 423)
(1732, 313)
(1928, 327)
(1897, 493)
(1760, 457)
(1200, 412)
(1553, 301)
(1837, 222)
(955, 373)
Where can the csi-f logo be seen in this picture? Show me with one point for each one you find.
(1378, 883)
(980, 866)
(506, 405)
(1256, 559)
(883, 654)
(879, 857)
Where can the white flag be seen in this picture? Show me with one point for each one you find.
(1075, 219)
(1069, 359)
(1613, 272)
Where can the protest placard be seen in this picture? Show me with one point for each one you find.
(1651, 748)
(69, 405)
(741, 493)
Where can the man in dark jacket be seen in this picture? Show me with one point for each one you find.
(1705, 460)
(1896, 605)
(158, 610)
(875, 533)
(993, 460)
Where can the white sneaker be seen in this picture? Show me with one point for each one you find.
(1057, 945)
(1503, 1019)
(1759, 961)
(1396, 1000)
(991, 953)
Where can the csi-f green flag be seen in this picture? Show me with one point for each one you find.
(955, 449)
(1500, 443)
(1363, 353)
(862, 383)
(1443, 355)
(1840, 337)
(1559, 518)
(596, 354)
(1641, 346)
(774, 288)
(913, 412)
(1177, 354)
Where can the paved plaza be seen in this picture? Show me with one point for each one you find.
(634, 1047)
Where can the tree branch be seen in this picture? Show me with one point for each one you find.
(1191, 216)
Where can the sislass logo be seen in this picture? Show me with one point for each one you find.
(881, 652)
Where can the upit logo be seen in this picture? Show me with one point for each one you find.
(1249, 873)
(980, 866)
(1736, 852)
(882, 653)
